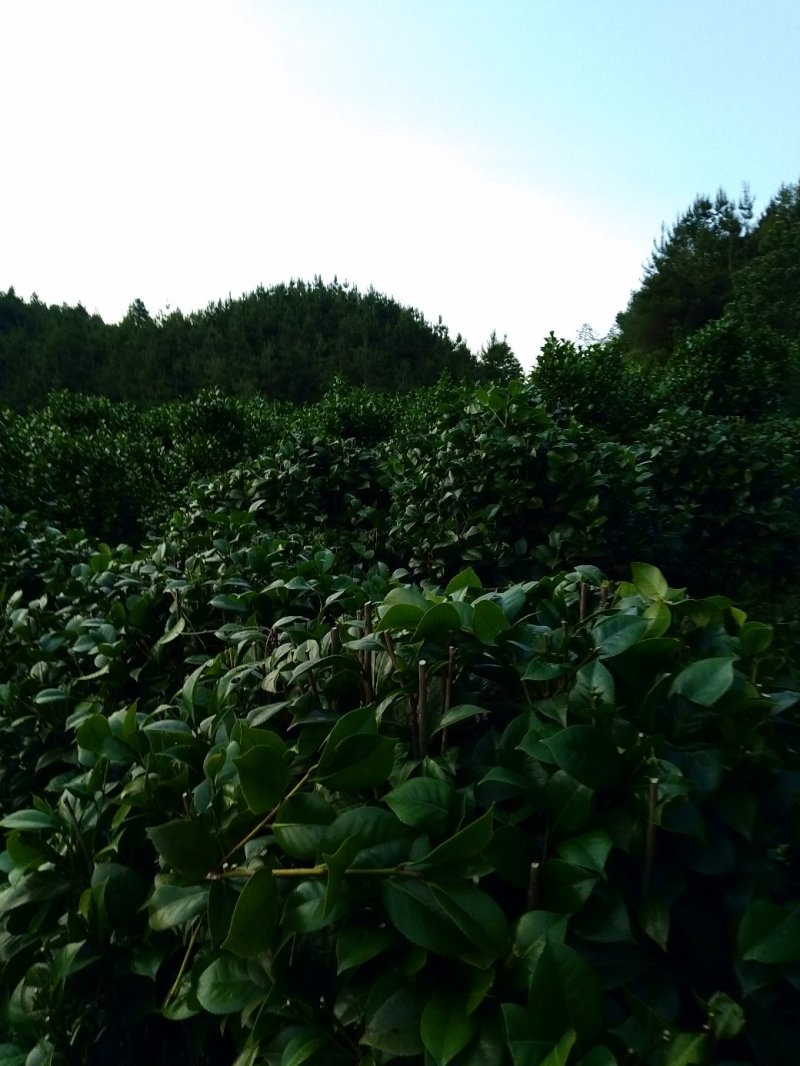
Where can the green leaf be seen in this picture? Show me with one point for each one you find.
(445, 1027)
(659, 619)
(357, 944)
(400, 616)
(563, 887)
(561, 1052)
(29, 820)
(567, 801)
(653, 915)
(475, 914)
(618, 633)
(172, 905)
(171, 634)
(686, 1049)
(304, 909)
(565, 992)
(357, 762)
(263, 777)
(589, 850)
(649, 581)
(770, 934)
(755, 638)
(414, 911)
(488, 621)
(438, 622)
(586, 753)
(301, 823)
(338, 864)
(226, 986)
(592, 690)
(527, 1044)
(465, 844)
(467, 579)
(704, 682)
(726, 1017)
(459, 713)
(255, 916)
(536, 670)
(422, 802)
(301, 1048)
(186, 846)
(229, 603)
(394, 1028)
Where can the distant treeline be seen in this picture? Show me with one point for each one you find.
(287, 343)
(714, 325)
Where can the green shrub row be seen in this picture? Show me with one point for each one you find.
(260, 807)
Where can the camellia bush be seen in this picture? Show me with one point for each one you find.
(259, 808)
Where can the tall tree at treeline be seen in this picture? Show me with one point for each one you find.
(718, 310)
(286, 342)
(689, 278)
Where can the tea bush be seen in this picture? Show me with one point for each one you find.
(274, 790)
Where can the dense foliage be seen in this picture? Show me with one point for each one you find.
(349, 732)
(353, 754)
(287, 342)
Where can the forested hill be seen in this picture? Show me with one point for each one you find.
(287, 342)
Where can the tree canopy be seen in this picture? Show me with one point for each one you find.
(287, 342)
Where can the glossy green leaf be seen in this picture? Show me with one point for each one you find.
(537, 670)
(338, 864)
(357, 762)
(755, 638)
(438, 622)
(415, 913)
(567, 801)
(475, 914)
(445, 1027)
(726, 1016)
(617, 633)
(459, 713)
(227, 986)
(649, 581)
(586, 753)
(704, 682)
(300, 824)
(592, 690)
(654, 918)
(394, 1028)
(356, 945)
(564, 887)
(770, 934)
(561, 1052)
(263, 777)
(186, 846)
(589, 850)
(488, 621)
(301, 1049)
(29, 820)
(174, 905)
(255, 916)
(400, 616)
(468, 842)
(304, 910)
(466, 579)
(422, 802)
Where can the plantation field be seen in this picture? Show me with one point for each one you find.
(449, 728)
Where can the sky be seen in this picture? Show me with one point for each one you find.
(503, 165)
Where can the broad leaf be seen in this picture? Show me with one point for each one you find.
(446, 1028)
(186, 846)
(254, 917)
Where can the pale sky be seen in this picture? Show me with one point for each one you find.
(505, 165)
